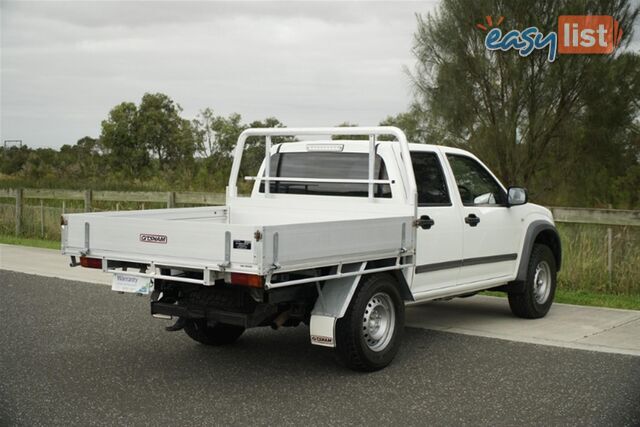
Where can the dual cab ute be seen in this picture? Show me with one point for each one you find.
(338, 235)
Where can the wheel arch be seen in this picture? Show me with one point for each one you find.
(403, 285)
(336, 297)
(539, 232)
(337, 293)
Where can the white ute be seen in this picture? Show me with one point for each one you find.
(337, 234)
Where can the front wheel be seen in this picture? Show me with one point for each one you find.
(540, 286)
(218, 334)
(369, 334)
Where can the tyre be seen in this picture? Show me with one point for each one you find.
(540, 286)
(369, 334)
(219, 334)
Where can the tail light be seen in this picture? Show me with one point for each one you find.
(250, 280)
(90, 262)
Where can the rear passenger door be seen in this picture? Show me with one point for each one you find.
(439, 239)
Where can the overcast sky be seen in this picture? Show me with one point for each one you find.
(66, 64)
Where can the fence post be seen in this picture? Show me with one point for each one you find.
(171, 200)
(610, 255)
(87, 200)
(64, 206)
(41, 219)
(18, 211)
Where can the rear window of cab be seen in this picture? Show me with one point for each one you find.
(326, 165)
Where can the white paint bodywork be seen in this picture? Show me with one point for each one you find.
(289, 232)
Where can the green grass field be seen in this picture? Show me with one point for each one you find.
(35, 243)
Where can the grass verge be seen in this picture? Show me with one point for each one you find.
(36, 243)
(577, 297)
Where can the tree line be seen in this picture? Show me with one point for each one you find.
(569, 131)
(141, 146)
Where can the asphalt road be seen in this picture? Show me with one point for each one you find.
(77, 353)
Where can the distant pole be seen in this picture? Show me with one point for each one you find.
(64, 207)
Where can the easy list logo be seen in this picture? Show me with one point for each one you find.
(577, 34)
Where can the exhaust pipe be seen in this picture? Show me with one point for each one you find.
(162, 316)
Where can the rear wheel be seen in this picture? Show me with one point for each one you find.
(369, 334)
(540, 286)
(218, 334)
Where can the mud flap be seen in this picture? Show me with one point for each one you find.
(332, 303)
(322, 330)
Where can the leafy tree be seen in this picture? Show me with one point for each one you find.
(13, 159)
(159, 127)
(227, 131)
(41, 166)
(412, 123)
(125, 152)
(204, 125)
(600, 150)
(510, 110)
(217, 134)
(82, 160)
(255, 146)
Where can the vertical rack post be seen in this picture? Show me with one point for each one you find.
(267, 165)
(372, 159)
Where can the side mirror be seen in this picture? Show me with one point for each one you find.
(517, 196)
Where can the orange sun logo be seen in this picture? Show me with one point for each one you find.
(489, 21)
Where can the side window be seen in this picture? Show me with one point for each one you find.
(475, 184)
(432, 186)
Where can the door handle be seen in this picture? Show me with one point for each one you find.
(472, 220)
(425, 222)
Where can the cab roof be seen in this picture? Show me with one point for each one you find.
(357, 146)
